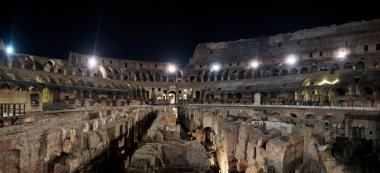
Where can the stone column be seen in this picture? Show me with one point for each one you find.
(257, 98)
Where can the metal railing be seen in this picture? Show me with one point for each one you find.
(12, 112)
(9, 110)
(361, 107)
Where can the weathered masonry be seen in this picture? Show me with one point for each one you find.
(306, 101)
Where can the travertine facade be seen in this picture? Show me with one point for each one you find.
(306, 101)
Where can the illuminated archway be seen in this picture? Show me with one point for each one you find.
(47, 96)
(172, 97)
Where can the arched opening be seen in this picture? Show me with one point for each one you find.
(16, 63)
(209, 138)
(313, 69)
(225, 76)
(164, 79)
(158, 78)
(213, 75)
(197, 95)
(284, 72)
(347, 65)
(126, 77)
(49, 66)
(47, 96)
(233, 75)
(304, 70)
(249, 74)
(241, 74)
(230, 96)
(117, 75)
(275, 72)
(102, 72)
(17, 88)
(192, 79)
(293, 71)
(138, 76)
(86, 94)
(5, 86)
(335, 67)
(172, 97)
(359, 65)
(257, 74)
(219, 75)
(324, 67)
(28, 63)
(205, 76)
(144, 77)
(238, 97)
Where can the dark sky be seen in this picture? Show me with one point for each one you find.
(159, 31)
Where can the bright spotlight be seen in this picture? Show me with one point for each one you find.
(342, 54)
(215, 67)
(9, 50)
(172, 68)
(254, 64)
(291, 59)
(92, 63)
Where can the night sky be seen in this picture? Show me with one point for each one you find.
(159, 31)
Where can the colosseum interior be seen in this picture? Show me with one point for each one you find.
(303, 102)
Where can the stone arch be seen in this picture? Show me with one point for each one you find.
(293, 71)
(275, 72)
(225, 74)
(213, 75)
(241, 74)
(16, 63)
(249, 74)
(206, 75)
(49, 66)
(209, 135)
(335, 67)
(197, 95)
(347, 65)
(158, 77)
(39, 66)
(29, 62)
(126, 77)
(238, 96)
(230, 96)
(219, 75)
(313, 69)
(47, 95)
(117, 74)
(192, 79)
(86, 94)
(5, 86)
(284, 72)
(164, 79)
(233, 75)
(359, 65)
(257, 74)
(304, 70)
(324, 67)
(144, 77)
(102, 73)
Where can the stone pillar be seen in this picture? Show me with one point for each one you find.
(257, 98)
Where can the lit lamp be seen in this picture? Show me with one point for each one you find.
(92, 63)
(291, 59)
(342, 54)
(215, 67)
(172, 68)
(254, 64)
(9, 50)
